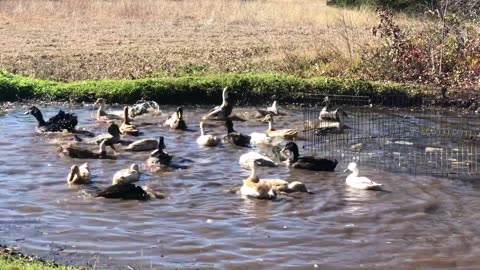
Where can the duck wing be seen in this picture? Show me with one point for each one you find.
(220, 112)
(62, 121)
(315, 164)
(126, 191)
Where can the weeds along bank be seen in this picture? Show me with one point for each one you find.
(10, 259)
(247, 88)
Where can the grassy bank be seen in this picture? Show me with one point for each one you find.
(247, 88)
(12, 260)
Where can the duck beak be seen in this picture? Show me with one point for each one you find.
(27, 112)
(265, 119)
(346, 170)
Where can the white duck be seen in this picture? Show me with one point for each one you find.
(79, 174)
(355, 181)
(129, 175)
(147, 144)
(206, 140)
(246, 160)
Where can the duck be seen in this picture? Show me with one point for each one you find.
(147, 144)
(223, 111)
(143, 107)
(288, 134)
(335, 115)
(270, 110)
(79, 174)
(159, 157)
(77, 152)
(234, 137)
(307, 162)
(206, 140)
(264, 161)
(101, 115)
(127, 128)
(259, 138)
(358, 182)
(113, 135)
(126, 191)
(58, 123)
(129, 191)
(176, 120)
(258, 188)
(128, 175)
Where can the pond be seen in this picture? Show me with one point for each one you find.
(423, 222)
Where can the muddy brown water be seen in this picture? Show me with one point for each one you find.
(424, 223)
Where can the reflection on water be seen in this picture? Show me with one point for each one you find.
(423, 222)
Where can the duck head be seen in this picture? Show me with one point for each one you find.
(180, 113)
(99, 102)
(125, 115)
(268, 118)
(161, 143)
(36, 113)
(134, 167)
(74, 171)
(225, 96)
(293, 148)
(229, 125)
(352, 166)
(114, 130)
(273, 108)
(104, 144)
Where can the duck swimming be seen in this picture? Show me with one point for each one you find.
(147, 144)
(221, 112)
(206, 140)
(113, 135)
(355, 181)
(101, 115)
(77, 152)
(176, 120)
(79, 175)
(128, 175)
(142, 107)
(258, 188)
(246, 160)
(288, 134)
(129, 191)
(270, 110)
(308, 162)
(159, 157)
(234, 137)
(335, 115)
(127, 128)
(126, 191)
(56, 123)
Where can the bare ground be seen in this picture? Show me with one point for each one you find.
(68, 40)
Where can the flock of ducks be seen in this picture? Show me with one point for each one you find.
(123, 181)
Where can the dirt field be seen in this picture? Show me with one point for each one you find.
(72, 40)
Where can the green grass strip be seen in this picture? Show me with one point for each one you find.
(18, 262)
(247, 88)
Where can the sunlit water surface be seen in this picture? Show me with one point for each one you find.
(425, 222)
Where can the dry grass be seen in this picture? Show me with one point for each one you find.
(82, 39)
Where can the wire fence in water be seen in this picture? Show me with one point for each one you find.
(412, 137)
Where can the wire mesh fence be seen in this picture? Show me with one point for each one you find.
(412, 137)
